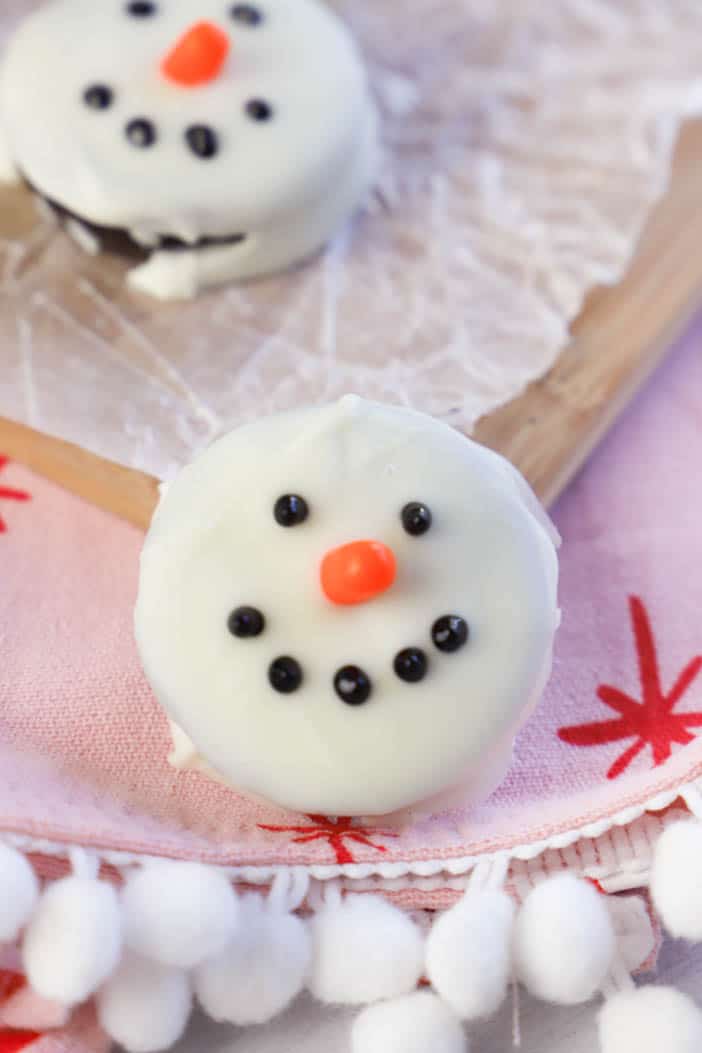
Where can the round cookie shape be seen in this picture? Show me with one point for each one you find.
(413, 691)
(244, 131)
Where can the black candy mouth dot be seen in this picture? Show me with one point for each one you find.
(450, 633)
(141, 132)
(411, 665)
(202, 140)
(352, 685)
(98, 96)
(285, 675)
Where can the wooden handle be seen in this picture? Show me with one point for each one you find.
(126, 493)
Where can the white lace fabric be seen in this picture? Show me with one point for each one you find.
(525, 145)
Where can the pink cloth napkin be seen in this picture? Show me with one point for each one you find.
(83, 744)
(27, 1019)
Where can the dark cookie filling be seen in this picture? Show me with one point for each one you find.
(120, 242)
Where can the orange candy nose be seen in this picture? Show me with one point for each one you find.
(198, 56)
(357, 572)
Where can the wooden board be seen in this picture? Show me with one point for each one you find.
(550, 430)
(618, 340)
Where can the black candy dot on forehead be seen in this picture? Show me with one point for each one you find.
(246, 623)
(416, 518)
(246, 14)
(141, 8)
(202, 140)
(141, 132)
(450, 633)
(98, 96)
(290, 510)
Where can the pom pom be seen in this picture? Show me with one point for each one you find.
(145, 1006)
(564, 941)
(416, 1023)
(179, 913)
(19, 892)
(676, 879)
(363, 949)
(469, 953)
(650, 1020)
(260, 972)
(74, 939)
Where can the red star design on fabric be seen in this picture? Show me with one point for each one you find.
(7, 493)
(10, 983)
(14, 1041)
(650, 721)
(336, 832)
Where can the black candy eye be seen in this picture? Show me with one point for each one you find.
(285, 675)
(141, 8)
(141, 133)
(411, 665)
(416, 518)
(246, 622)
(98, 96)
(290, 510)
(246, 14)
(450, 633)
(352, 685)
(259, 110)
(203, 141)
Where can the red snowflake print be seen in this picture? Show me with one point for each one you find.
(336, 832)
(10, 983)
(7, 493)
(650, 721)
(12, 1041)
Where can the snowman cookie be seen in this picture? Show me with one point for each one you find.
(229, 140)
(348, 610)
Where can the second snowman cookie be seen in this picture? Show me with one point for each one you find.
(230, 140)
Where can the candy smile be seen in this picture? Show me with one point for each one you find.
(352, 684)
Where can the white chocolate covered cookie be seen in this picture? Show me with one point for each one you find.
(349, 610)
(229, 139)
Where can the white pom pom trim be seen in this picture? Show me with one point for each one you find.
(263, 968)
(145, 1005)
(564, 942)
(469, 953)
(673, 892)
(19, 892)
(676, 879)
(363, 949)
(650, 1020)
(74, 939)
(415, 1023)
(179, 913)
